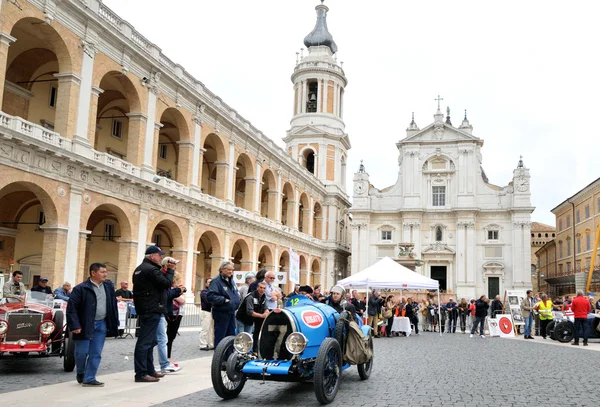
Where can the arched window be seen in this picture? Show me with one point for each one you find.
(438, 234)
(308, 160)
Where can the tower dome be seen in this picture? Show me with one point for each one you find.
(320, 35)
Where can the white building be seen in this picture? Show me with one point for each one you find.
(472, 236)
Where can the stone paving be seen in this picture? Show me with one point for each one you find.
(454, 370)
(19, 374)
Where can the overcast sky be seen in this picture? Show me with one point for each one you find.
(527, 72)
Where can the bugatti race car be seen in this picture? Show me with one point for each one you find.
(564, 330)
(35, 326)
(306, 341)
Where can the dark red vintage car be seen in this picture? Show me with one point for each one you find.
(35, 326)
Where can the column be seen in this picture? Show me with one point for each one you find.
(470, 257)
(201, 152)
(155, 138)
(66, 106)
(92, 119)
(258, 188)
(356, 244)
(516, 252)
(250, 194)
(417, 239)
(85, 96)
(230, 174)
(365, 239)
(254, 255)
(309, 212)
(461, 270)
(136, 142)
(319, 95)
(190, 271)
(526, 257)
(147, 166)
(279, 192)
(227, 246)
(183, 267)
(322, 162)
(303, 97)
(325, 96)
(186, 162)
(127, 259)
(5, 41)
(221, 181)
(53, 253)
(197, 155)
(324, 220)
(70, 271)
(142, 233)
(82, 257)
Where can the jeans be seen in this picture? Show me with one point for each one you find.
(88, 352)
(161, 343)
(581, 323)
(224, 325)
(144, 347)
(241, 327)
(478, 321)
(528, 323)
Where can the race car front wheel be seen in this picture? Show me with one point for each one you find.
(68, 352)
(328, 370)
(550, 330)
(223, 385)
(364, 369)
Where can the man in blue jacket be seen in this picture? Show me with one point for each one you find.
(92, 316)
(225, 299)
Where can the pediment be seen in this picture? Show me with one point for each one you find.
(438, 248)
(439, 132)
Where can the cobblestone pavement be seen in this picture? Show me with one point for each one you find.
(19, 374)
(454, 370)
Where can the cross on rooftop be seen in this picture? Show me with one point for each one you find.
(439, 99)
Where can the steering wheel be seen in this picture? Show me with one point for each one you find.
(15, 297)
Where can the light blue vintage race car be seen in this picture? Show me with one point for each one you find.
(305, 341)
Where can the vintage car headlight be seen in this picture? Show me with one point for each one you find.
(243, 342)
(296, 343)
(46, 328)
(4, 327)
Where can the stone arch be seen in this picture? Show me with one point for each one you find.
(288, 204)
(265, 258)
(244, 188)
(269, 194)
(214, 167)
(210, 255)
(304, 213)
(304, 271)
(284, 267)
(173, 152)
(317, 220)
(240, 254)
(308, 159)
(315, 270)
(172, 227)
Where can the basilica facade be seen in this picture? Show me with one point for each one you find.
(443, 217)
(108, 146)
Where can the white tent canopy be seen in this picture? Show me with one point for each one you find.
(386, 273)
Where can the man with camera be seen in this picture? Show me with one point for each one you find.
(149, 297)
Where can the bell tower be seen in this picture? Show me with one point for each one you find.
(317, 137)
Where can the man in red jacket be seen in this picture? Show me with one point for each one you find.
(581, 308)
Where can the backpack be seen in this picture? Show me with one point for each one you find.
(241, 314)
(357, 346)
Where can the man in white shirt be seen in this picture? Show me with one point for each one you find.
(273, 292)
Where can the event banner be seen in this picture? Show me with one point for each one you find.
(294, 267)
(513, 300)
(240, 276)
(281, 277)
(505, 325)
(493, 327)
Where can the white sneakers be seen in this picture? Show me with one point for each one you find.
(172, 368)
(483, 336)
(470, 336)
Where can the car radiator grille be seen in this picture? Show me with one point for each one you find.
(23, 326)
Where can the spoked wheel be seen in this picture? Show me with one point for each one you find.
(564, 331)
(364, 369)
(58, 333)
(328, 369)
(222, 383)
(341, 331)
(68, 350)
(550, 330)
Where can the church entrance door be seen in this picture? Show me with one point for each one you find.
(439, 273)
(493, 287)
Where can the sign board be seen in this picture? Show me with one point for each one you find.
(239, 277)
(512, 302)
(294, 267)
(122, 310)
(281, 277)
(493, 327)
(505, 325)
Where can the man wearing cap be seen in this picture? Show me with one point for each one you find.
(149, 285)
(335, 298)
(42, 286)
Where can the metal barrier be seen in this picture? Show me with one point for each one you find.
(191, 315)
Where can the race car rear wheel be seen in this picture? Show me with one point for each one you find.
(564, 331)
(68, 352)
(223, 385)
(364, 369)
(550, 330)
(341, 331)
(328, 370)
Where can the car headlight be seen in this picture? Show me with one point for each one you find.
(243, 342)
(296, 343)
(4, 327)
(46, 328)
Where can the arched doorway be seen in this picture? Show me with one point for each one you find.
(304, 214)
(245, 183)
(265, 258)
(214, 168)
(172, 157)
(315, 270)
(209, 257)
(304, 272)
(117, 126)
(28, 234)
(288, 204)
(268, 200)
(284, 267)
(240, 255)
(317, 221)
(34, 89)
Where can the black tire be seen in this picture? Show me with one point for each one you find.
(224, 387)
(68, 352)
(550, 330)
(328, 370)
(564, 331)
(364, 369)
(341, 331)
(57, 343)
